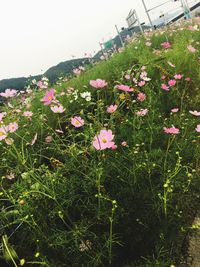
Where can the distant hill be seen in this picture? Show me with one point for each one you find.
(64, 68)
(17, 83)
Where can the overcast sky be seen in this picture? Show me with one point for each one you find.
(37, 34)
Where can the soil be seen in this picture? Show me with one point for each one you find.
(194, 244)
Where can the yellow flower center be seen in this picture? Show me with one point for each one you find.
(104, 140)
(2, 133)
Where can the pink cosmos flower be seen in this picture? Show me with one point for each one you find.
(141, 83)
(187, 79)
(171, 83)
(141, 97)
(125, 88)
(142, 112)
(3, 133)
(164, 87)
(103, 140)
(114, 147)
(12, 127)
(42, 85)
(49, 97)
(112, 108)
(191, 49)
(98, 83)
(77, 121)
(28, 114)
(178, 76)
(58, 109)
(198, 128)
(171, 130)
(163, 77)
(195, 113)
(9, 93)
(174, 110)
(166, 45)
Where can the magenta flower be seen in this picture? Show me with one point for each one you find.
(166, 45)
(103, 140)
(174, 110)
(164, 87)
(58, 109)
(142, 112)
(49, 97)
(171, 83)
(195, 113)
(9, 93)
(198, 128)
(191, 49)
(141, 97)
(98, 83)
(77, 121)
(178, 76)
(124, 88)
(3, 133)
(171, 130)
(112, 108)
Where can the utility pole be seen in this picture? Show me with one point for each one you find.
(186, 9)
(147, 12)
(139, 24)
(122, 43)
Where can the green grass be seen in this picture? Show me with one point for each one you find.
(72, 205)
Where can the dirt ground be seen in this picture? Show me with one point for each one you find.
(194, 244)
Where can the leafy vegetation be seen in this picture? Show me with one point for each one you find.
(103, 170)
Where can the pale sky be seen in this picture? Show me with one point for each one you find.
(38, 34)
